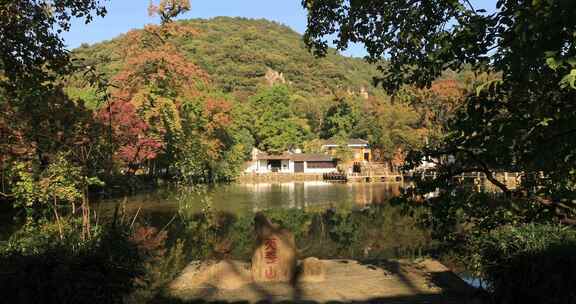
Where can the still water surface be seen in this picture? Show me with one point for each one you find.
(161, 205)
(247, 198)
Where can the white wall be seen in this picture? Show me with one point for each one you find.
(262, 166)
(251, 166)
(287, 166)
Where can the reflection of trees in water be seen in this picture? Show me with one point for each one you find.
(307, 194)
(374, 193)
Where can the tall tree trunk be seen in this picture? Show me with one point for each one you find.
(61, 234)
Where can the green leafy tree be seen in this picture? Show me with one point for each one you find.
(276, 127)
(340, 120)
(32, 50)
(392, 129)
(523, 121)
(211, 146)
(40, 121)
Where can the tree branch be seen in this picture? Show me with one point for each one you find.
(471, 6)
(483, 168)
(6, 195)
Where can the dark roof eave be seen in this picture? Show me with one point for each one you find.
(296, 157)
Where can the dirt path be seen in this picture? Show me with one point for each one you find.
(425, 281)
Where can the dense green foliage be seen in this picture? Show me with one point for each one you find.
(40, 266)
(237, 53)
(521, 119)
(124, 261)
(517, 115)
(529, 264)
(276, 126)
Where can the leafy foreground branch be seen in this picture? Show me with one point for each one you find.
(520, 120)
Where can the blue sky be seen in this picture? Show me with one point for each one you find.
(124, 15)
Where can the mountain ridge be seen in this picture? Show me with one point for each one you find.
(237, 53)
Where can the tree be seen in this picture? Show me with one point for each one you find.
(133, 145)
(524, 121)
(340, 120)
(32, 49)
(276, 127)
(392, 129)
(144, 109)
(38, 120)
(168, 9)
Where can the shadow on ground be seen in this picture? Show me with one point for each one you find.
(347, 281)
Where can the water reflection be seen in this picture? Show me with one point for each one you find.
(251, 197)
(260, 196)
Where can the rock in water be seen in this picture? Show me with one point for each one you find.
(274, 259)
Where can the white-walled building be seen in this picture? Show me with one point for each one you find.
(289, 162)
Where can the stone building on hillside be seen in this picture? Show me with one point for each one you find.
(359, 148)
(354, 155)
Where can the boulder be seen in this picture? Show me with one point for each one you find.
(221, 275)
(274, 259)
(312, 270)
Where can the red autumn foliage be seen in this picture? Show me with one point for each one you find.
(129, 133)
(149, 241)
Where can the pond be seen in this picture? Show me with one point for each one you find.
(245, 198)
(330, 220)
(159, 207)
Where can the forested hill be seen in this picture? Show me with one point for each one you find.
(237, 53)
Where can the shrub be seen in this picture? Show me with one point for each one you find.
(161, 263)
(37, 266)
(529, 264)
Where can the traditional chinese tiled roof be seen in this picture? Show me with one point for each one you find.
(311, 157)
(266, 156)
(295, 156)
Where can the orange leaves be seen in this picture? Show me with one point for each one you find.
(162, 68)
(153, 60)
(217, 111)
(217, 115)
(447, 88)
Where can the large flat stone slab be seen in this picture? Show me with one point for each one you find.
(425, 281)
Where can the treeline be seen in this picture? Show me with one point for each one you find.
(154, 104)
